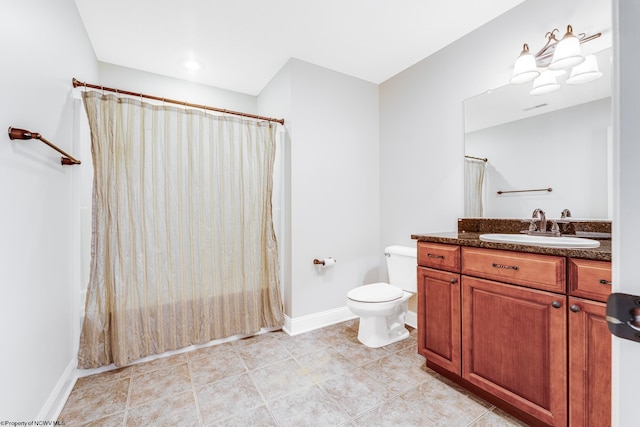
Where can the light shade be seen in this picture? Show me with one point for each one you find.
(544, 84)
(585, 72)
(567, 52)
(525, 69)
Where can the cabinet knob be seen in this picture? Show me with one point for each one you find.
(574, 308)
(453, 281)
(556, 304)
(605, 282)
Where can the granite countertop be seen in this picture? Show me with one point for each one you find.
(469, 231)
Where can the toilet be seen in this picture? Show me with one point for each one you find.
(382, 307)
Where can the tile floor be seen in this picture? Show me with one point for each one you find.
(321, 378)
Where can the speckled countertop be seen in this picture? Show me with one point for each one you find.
(469, 230)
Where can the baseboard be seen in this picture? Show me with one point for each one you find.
(58, 397)
(411, 319)
(299, 325)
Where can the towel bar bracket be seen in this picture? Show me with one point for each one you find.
(22, 134)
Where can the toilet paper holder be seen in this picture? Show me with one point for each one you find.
(322, 261)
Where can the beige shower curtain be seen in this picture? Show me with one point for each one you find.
(473, 187)
(183, 247)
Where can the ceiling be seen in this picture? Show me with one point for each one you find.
(242, 44)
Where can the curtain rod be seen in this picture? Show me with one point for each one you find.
(77, 83)
(484, 159)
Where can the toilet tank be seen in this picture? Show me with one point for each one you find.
(402, 262)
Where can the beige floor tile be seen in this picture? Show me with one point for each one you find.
(159, 384)
(255, 339)
(258, 417)
(161, 363)
(212, 368)
(212, 351)
(230, 397)
(262, 353)
(280, 379)
(177, 410)
(337, 333)
(324, 377)
(113, 420)
(304, 343)
(400, 345)
(98, 380)
(325, 363)
(395, 412)
(445, 404)
(497, 418)
(356, 391)
(307, 408)
(412, 353)
(90, 401)
(397, 373)
(357, 352)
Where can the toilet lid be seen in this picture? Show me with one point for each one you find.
(377, 292)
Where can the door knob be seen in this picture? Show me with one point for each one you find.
(623, 316)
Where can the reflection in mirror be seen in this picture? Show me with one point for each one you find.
(560, 141)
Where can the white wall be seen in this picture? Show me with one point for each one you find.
(541, 152)
(44, 45)
(168, 87)
(421, 111)
(332, 126)
(626, 233)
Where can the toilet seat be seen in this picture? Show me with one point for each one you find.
(376, 292)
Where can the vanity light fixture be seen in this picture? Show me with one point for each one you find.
(585, 72)
(546, 83)
(555, 58)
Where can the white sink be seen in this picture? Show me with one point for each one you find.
(545, 241)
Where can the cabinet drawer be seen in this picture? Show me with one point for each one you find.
(442, 257)
(590, 279)
(544, 272)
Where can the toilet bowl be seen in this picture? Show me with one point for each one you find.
(382, 307)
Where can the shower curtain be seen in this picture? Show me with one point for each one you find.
(473, 187)
(183, 249)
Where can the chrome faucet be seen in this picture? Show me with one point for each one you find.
(566, 213)
(539, 213)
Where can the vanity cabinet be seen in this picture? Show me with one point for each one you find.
(589, 343)
(527, 329)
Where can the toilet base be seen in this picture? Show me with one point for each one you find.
(375, 341)
(378, 331)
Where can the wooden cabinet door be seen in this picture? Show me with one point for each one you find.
(514, 346)
(589, 364)
(439, 318)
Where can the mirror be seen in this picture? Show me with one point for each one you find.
(551, 151)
